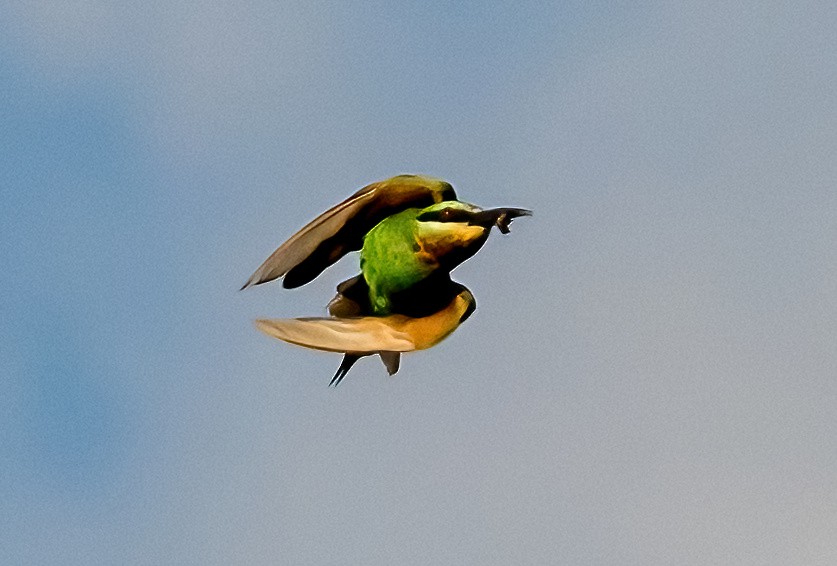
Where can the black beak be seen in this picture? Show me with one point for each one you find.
(500, 217)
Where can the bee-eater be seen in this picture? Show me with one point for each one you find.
(411, 232)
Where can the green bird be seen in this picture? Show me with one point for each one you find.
(411, 232)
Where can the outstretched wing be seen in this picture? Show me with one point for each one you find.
(372, 334)
(364, 335)
(304, 243)
(340, 229)
(387, 336)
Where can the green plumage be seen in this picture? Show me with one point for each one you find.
(391, 259)
(408, 247)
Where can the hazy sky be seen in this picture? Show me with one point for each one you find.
(651, 373)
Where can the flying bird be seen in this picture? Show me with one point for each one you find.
(411, 232)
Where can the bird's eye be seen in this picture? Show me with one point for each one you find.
(445, 215)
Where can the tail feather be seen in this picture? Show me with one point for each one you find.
(392, 360)
(345, 365)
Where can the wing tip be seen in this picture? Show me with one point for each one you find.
(262, 324)
(258, 278)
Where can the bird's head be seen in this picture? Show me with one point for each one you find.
(452, 231)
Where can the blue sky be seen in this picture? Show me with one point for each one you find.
(650, 374)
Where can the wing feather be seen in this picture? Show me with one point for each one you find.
(373, 334)
(305, 242)
(341, 229)
(364, 335)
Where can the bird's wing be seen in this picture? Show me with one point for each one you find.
(363, 335)
(374, 334)
(305, 242)
(341, 229)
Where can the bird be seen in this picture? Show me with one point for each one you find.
(411, 232)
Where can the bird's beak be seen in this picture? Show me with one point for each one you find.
(500, 217)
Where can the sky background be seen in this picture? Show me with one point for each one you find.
(651, 373)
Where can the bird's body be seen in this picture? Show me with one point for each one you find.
(411, 232)
(401, 251)
(391, 260)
